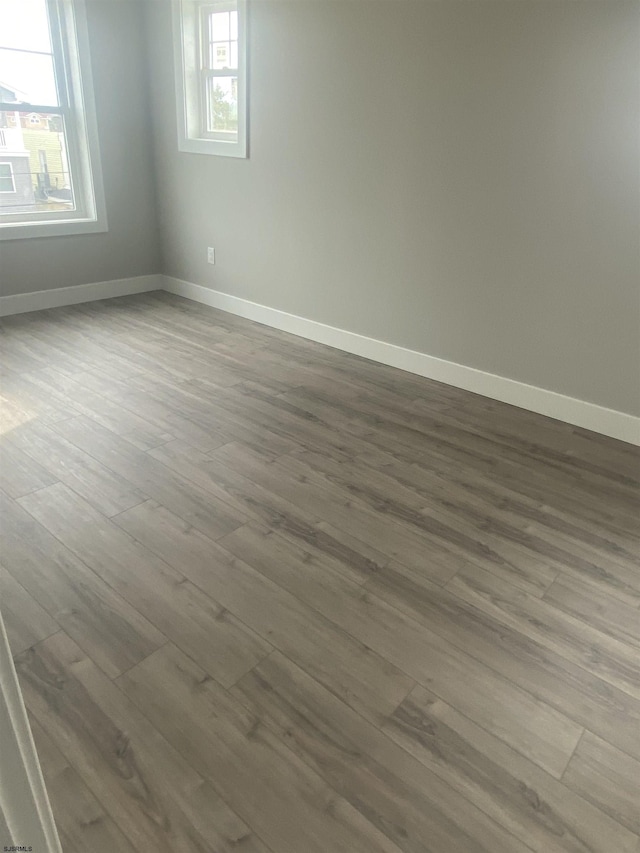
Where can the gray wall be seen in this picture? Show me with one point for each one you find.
(460, 178)
(130, 247)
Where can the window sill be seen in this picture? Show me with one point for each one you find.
(212, 146)
(53, 228)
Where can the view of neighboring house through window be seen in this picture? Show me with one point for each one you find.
(210, 48)
(47, 136)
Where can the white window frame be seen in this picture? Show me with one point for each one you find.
(10, 175)
(74, 81)
(189, 79)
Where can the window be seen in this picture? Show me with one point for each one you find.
(210, 64)
(48, 136)
(7, 184)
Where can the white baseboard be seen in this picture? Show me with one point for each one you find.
(57, 297)
(568, 409)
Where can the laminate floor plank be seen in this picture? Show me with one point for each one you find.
(275, 415)
(19, 473)
(513, 425)
(608, 778)
(205, 315)
(390, 536)
(103, 488)
(365, 766)
(16, 356)
(122, 349)
(42, 394)
(347, 667)
(262, 505)
(594, 607)
(159, 802)
(542, 672)
(369, 376)
(568, 542)
(449, 529)
(152, 319)
(199, 335)
(538, 731)
(368, 398)
(600, 520)
(161, 594)
(160, 349)
(22, 403)
(101, 622)
(81, 821)
(447, 545)
(621, 577)
(612, 660)
(463, 491)
(459, 448)
(143, 400)
(49, 353)
(585, 468)
(193, 402)
(143, 433)
(300, 568)
(547, 482)
(531, 803)
(25, 620)
(275, 792)
(95, 348)
(213, 517)
(269, 596)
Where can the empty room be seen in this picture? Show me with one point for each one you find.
(320, 426)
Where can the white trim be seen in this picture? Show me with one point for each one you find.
(10, 176)
(74, 80)
(186, 59)
(24, 804)
(580, 413)
(51, 228)
(82, 74)
(55, 298)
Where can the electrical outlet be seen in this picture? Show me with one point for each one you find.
(211, 255)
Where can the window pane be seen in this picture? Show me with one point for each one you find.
(233, 20)
(222, 105)
(6, 178)
(24, 24)
(224, 55)
(26, 65)
(219, 26)
(34, 145)
(27, 78)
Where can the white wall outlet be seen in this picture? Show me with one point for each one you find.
(211, 255)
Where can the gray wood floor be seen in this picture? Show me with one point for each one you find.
(266, 596)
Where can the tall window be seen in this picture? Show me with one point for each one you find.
(48, 138)
(210, 63)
